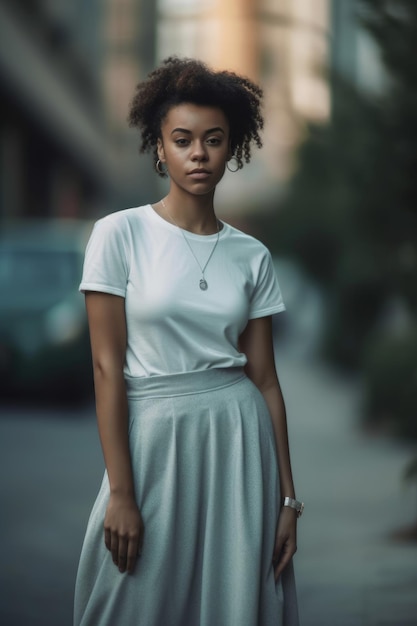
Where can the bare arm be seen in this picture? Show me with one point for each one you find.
(123, 524)
(257, 343)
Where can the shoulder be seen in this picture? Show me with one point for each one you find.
(248, 244)
(121, 226)
(124, 219)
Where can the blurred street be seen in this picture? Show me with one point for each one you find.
(51, 467)
(349, 571)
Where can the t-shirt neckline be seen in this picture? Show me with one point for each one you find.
(176, 229)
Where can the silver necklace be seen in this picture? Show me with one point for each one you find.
(203, 283)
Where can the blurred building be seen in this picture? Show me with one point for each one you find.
(54, 151)
(68, 70)
(128, 34)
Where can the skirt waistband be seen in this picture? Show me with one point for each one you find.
(187, 383)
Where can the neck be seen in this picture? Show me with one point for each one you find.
(194, 214)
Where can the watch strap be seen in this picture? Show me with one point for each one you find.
(294, 504)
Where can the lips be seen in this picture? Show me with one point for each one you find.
(198, 171)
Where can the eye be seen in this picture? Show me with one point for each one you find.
(181, 141)
(214, 141)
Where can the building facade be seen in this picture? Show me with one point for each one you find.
(54, 154)
(68, 72)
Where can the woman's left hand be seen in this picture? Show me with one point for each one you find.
(285, 540)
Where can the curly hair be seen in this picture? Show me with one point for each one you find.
(179, 81)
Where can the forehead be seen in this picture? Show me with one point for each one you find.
(194, 117)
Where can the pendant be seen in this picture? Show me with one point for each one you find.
(203, 284)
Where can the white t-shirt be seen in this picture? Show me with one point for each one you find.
(172, 325)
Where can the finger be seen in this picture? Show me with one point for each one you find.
(284, 559)
(279, 568)
(122, 554)
(114, 547)
(278, 550)
(107, 538)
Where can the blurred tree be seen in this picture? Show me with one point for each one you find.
(350, 215)
(394, 26)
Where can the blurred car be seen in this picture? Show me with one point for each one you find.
(44, 343)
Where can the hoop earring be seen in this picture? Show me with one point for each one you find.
(237, 165)
(159, 169)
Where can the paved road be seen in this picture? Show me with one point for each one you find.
(349, 572)
(50, 468)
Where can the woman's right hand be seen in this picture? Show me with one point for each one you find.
(123, 531)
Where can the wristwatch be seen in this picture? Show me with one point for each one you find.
(294, 504)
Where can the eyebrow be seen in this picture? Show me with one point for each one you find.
(207, 132)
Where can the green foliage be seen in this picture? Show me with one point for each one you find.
(350, 218)
(342, 222)
(330, 203)
(410, 472)
(390, 370)
(394, 27)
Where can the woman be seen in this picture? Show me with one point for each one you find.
(197, 501)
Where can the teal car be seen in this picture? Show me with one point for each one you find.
(44, 343)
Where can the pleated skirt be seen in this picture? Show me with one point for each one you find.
(207, 485)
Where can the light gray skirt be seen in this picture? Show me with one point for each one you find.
(207, 485)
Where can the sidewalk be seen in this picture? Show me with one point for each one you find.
(349, 571)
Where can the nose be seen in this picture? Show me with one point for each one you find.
(199, 152)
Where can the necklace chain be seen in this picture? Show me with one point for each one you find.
(203, 282)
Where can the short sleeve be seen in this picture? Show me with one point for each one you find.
(266, 297)
(106, 265)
